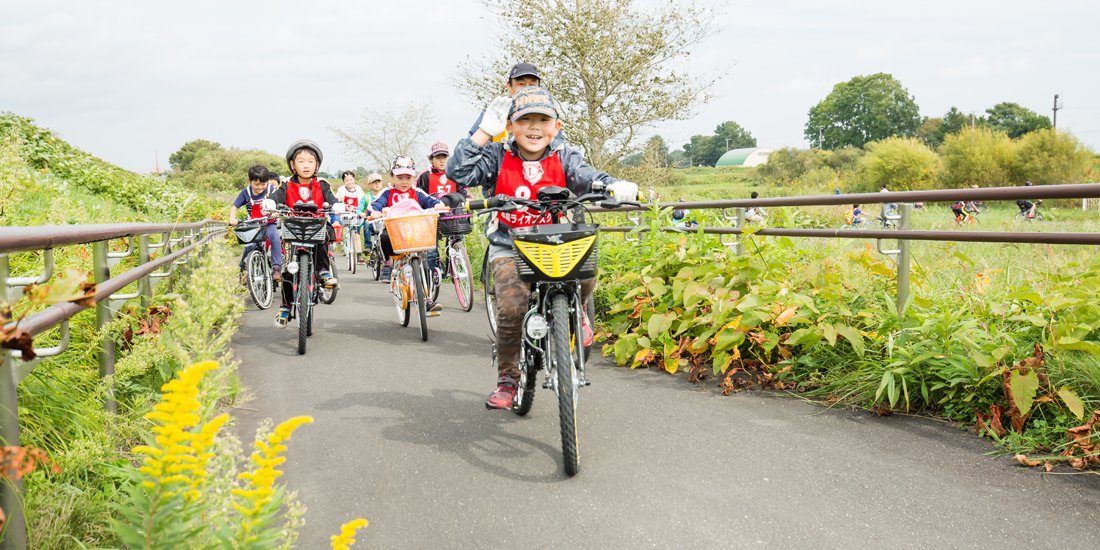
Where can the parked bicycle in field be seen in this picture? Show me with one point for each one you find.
(552, 259)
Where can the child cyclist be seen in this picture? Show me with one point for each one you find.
(260, 185)
(528, 161)
(355, 200)
(304, 159)
(435, 183)
(375, 185)
(403, 172)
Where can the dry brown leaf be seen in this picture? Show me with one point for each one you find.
(786, 315)
(1024, 460)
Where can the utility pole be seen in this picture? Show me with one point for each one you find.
(819, 144)
(1055, 111)
(727, 144)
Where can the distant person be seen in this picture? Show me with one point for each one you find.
(434, 180)
(521, 76)
(375, 185)
(260, 185)
(1026, 205)
(853, 216)
(755, 214)
(889, 208)
(355, 201)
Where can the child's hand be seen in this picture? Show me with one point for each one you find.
(496, 115)
(232, 221)
(442, 208)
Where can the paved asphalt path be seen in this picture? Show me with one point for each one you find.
(402, 438)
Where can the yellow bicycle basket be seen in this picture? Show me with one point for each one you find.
(556, 251)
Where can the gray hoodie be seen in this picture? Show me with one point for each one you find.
(478, 166)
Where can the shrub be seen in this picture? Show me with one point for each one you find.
(981, 156)
(901, 164)
(1051, 157)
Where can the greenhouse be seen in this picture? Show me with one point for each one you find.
(749, 156)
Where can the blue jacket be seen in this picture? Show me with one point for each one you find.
(426, 201)
(471, 165)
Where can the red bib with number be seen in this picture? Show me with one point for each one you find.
(397, 196)
(297, 193)
(352, 202)
(438, 184)
(523, 179)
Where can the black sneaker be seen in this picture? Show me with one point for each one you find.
(385, 277)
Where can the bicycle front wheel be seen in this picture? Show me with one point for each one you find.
(349, 250)
(259, 279)
(462, 275)
(421, 297)
(565, 370)
(303, 294)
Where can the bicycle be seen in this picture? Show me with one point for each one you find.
(375, 257)
(967, 218)
(411, 237)
(1022, 216)
(350, 221)
(455, 260)
(553, 258)
(303, 230)
(257, 263)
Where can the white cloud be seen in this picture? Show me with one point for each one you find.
(876, 52)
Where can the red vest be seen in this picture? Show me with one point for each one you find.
(438, 184)
(523, 179)
(296, 193)
(255, 202)
(396, 196)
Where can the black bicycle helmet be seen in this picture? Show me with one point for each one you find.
(678, 215)
(298, 146)
(1028, 184)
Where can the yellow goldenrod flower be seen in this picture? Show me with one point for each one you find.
(344, 540)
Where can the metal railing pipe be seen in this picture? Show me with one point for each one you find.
(1021, 237)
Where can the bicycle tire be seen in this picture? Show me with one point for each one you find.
(375, 262)
(1039, 216)
(421, 297)
(349, 251)
(328, 295)
(565, 370)
(525, 396)
(875, 223)
(490, 293)
(259, 279)
(462, 275)
(433, 287)
(303, 297)
(399, 284)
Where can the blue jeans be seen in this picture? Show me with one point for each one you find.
(276, 248)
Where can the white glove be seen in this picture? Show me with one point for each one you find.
(623, 190)
(496, 114)
(339, 208)
(267, 205)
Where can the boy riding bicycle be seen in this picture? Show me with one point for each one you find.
(355, 200)
(261, 183)
(529, 160)
(304, 159)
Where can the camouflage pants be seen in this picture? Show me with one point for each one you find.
(512, 302)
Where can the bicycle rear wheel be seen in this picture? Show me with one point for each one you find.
(565, 370)
(328, 295)
(259, 279)
(462, 275)
(421, 296)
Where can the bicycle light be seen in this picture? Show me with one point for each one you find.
(407, 271)
(292, 268)
(537, 327)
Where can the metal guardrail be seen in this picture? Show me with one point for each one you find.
(903, 234)
(108, 300)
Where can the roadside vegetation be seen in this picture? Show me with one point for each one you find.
(108, 481)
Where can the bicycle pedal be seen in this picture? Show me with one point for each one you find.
(586, 382)
(547, 386)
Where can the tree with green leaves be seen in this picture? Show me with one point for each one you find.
(615, 66)
(863, 109)
(190, 152)
(708, 149)
(1015, 120)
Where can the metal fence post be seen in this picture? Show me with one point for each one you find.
(903, 259)
(740, 226)
(102, 272)
(11, 492)
(145, 288)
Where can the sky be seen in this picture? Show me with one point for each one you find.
(132, 81)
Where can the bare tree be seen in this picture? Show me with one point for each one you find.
(386, 132)
(615, 66)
